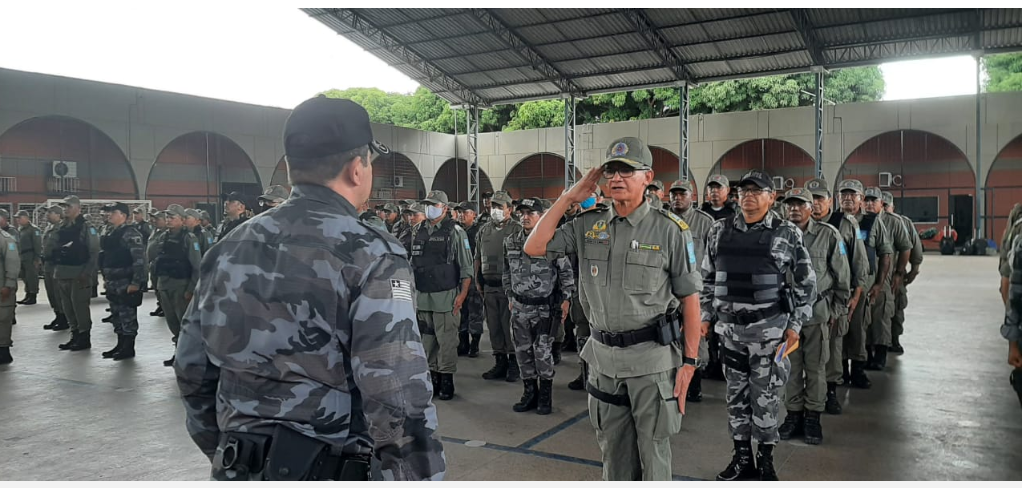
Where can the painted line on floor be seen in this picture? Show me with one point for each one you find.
(554, 430)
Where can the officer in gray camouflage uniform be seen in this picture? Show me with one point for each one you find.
(805, 391)
(535, 288)
(31, 247)
(10, 266)
(313, 362)
(859, 269)
(1010, 328)
(470, 325)
(123, 265)
(54, 215)
(699, 222)
(176, 267)
(916, 258)
(757, 310)
(879, 338)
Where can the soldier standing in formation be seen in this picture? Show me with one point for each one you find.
(536, 286)
(443, 270)
(273, 196)
(638, 267)
(758, 310)
(30, 247)
(470, 326)
(806, 391)
(859, 269)
(123, 265)
(76, 263)
(54, 215)
(10, 266)
(159, 228)
(719, 205)
(489, 271)
(880, 336)
(235, 208)
(193, 223)
(699, 227)
(916, 258)
(878, 247)
(327, 303)
(176, 268)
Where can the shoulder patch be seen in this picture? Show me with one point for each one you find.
(195, 245)
(675, 218)
(841, 247)
(92, 230)
(12, 246)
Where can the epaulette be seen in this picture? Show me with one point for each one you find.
(674, 218)
(600, 207)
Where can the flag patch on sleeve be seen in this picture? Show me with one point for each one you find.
(401, 290)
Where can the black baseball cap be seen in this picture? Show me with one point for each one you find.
(324, 126)
(532, 204)
(119, 206)
(237, 197)
(759, 178)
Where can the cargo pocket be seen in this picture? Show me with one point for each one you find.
(644, 271)
(595, 264)
(669, 420)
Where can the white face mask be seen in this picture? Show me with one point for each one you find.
(434, 213)
(497, 214)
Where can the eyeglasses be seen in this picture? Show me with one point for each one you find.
(623, 171)
(752, 191)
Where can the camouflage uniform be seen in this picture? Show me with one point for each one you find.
(526, 280)
(10, 266)
(123, 265)
(470, 324)
(1011, 326)
(1012, 229)
(317, 334)
(753, 378)
(31, 248)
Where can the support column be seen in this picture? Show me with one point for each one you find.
(977, 207)
(683, 132)
(569, 142)
(472, 133)
(818, 106)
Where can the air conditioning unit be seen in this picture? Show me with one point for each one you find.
(399, 182)
(780, 183)
(888, 180)
(65, 169)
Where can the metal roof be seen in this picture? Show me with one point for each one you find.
(495, 56)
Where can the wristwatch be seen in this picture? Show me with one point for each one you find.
(689, 361)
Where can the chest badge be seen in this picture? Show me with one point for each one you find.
(594, 270)
(600, 225)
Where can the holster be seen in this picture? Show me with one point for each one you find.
(288, 455)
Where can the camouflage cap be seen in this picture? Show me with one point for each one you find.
(195, 214)
(502, 197)
(435, 197)
(818, 187)
(204, 215)
(417, 208)
(631, 151)
(275, 193)
(872, 192)
(141, 209)
(656, 184)
(887, 197)
(532, 204)
(681, 185)
(175, 210)
(70, 200)
(407, 202)
(23, 213)
(160, 214)
(851, 185)
(390, 207)
(718, 180)
(55, 209)
(467, 205)
(801, 194)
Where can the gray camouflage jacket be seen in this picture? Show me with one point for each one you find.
(305, 317)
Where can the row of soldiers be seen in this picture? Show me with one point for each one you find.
(134, 248)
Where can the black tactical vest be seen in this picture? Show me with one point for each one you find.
(432, 259)
(746, 270)
(77, 253)
(172, 261)
(115, 254)
(726, 212)
(866, 226)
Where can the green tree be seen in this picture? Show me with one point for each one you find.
(377, 102)
(1003, 72)
(537, 115)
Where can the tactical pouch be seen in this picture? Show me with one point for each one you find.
(243, 453)
(668, 330)
(133, 299)
(788, 302)
(735, 360)
(292, 455)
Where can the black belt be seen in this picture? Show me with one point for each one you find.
(531, 301)
(746, 317)
(625, 339)
(489, 282)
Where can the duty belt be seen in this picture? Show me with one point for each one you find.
(746, 317)
(625, 339)
(495, 283)
(531, 301)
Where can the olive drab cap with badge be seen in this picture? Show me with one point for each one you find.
(436, 197)
(275, 194)
(887, 197)
(502, 197)
(720, 180)
(801, 194)
(851, 185)
(872, 192)
(818, 187)
(631, 151)
(681, 185)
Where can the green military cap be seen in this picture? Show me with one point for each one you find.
(501, 197)
(70, 200)
(204, 215)
(23, 213)
(175, 209)
(191, 212)
(547, 204)
(416, 208)
(4, 213)
(55, 209)
(390, 207)
(801, 194)
(718, 180)
(160, 214)
(680, 185)
(631, 151)
(407, 202)
(818, 187)
(851, 185)
(141, 209)
(872, 192)
(435, 197)
(467, 205)
(887, 197)
(656, 184)
(275, 193)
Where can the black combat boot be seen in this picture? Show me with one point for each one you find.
(447, 386)
(580, 382)
(846, 378)
(695, 393)
(435, 379)
(108, 319)
(556, 353)
(67, 345)
(30, 299)
(51, 325)
(568, 345)
(792, 427)
(881, 357)
(741, 468)
(896, 347)
(869, 365)
(61, 323)
(765, 462)
(112, 352)
(5, 355)
(170, 362)
(858, 377)
(157, 313)
(543, 406)
(463, 344)
(127, 349)
(832, 405)
(812, 433)
(529, 398)
(513, 369)
(474, 345)
(84, 342)
(500, 369)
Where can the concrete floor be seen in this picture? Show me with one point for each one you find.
(943, 411)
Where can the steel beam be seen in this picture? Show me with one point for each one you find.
(472, 134)
(658, 44)
(683, 132)
(818, 106)
(569, 142)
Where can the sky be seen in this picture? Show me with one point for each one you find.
(265, 55)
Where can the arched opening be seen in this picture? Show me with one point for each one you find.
(280, 176)
(787, 163)
(453, 178)
(540, 175)
(930, 178)
(195, 169)
(53, 156)
(666, 169)
(395, 177)
(1002, 189)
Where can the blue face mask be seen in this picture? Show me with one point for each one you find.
(588, 203)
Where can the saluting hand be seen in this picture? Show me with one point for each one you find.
(583, 188)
